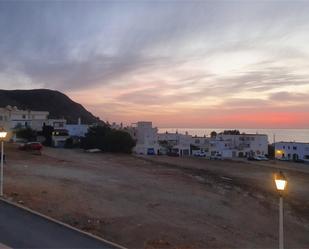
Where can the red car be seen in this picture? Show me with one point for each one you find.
(31, 146)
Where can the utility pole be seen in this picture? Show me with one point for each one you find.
(274, 145)
(281, 222)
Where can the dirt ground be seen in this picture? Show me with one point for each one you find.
(162, 202)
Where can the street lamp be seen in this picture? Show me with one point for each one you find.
(281, 183)
(3, 134)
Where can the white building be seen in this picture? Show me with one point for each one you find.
(232, 145)
(59, 138)
(202, 144)
(57, 124)
(146, 138)
(222, 146)
(243, 145)
(292, 151)
(239, 145)
(12, 117)
(176, 143)
(77, 130)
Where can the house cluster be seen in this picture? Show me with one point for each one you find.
(12, 118)
(224, 145)
(149, 141)
(292, 151)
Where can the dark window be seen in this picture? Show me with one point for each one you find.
(283, 147)
(294, 147)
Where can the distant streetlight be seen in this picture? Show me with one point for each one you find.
(3, 134)
(281, 183)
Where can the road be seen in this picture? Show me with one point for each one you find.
(20, 228)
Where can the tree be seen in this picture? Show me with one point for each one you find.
(271, 151)
(69, 143)
(213, 134)
(47, 132)
(107, 139)
(119, 141)
(95, 137)
(27, 134)
(231, 132)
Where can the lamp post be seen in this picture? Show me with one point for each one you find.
(3, 134)
(281, 183)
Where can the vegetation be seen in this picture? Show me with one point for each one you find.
(213, 134)
(47, 132)
(72, 143)
(231, 132)
(26, 133)
(271, 151)
(107, 139)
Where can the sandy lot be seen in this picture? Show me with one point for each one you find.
(162, 202)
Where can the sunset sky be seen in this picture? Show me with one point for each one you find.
(241, 64)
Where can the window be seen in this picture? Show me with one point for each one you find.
(289, 147)
(24, 116)
(283, 146)
(294, 147)
(1, 118)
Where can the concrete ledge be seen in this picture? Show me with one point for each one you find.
(60, 223)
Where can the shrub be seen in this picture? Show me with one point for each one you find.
(108, 139)
(26, 133)
(47, 132)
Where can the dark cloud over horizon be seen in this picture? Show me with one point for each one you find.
(175, 54)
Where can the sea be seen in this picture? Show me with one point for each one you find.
(287, 135)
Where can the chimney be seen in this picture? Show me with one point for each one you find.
(79, 122)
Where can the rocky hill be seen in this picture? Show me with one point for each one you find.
(56, 103)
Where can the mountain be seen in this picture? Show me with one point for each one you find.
(56, 103)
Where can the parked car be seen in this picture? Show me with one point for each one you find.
(151, 151)
(172, 154)
(216, 157)
(31, 146)
(261, 158)
(200, 154)
(257, 158)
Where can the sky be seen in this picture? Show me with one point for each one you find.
(242, 64)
